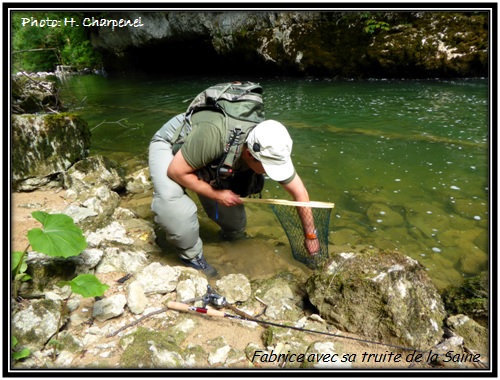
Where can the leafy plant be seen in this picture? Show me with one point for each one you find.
(18, 268)
(86, 285)
(60, 237)
(373, 25)
(18, 355)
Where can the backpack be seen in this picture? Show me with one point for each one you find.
(240, 102)
(242, 106)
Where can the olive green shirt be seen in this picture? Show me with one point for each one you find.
(207, 140)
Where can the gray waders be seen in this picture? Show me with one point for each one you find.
(174, 210)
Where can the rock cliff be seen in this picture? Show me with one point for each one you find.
(328, 43)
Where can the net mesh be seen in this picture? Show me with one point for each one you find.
(291, 222)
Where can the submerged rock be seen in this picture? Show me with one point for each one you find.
(471, 298)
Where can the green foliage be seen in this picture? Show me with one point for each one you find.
(18, 355)
(87, 285)
(60, 236)
(373, 25)
(19, 266)
(37, 48)
(469, 298)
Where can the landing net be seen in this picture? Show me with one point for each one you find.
(291, 222)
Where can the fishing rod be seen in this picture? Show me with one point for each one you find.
(179, 306)
(211, 297)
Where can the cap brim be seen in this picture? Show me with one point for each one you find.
(281, 172)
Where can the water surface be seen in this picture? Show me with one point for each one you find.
(406, 162)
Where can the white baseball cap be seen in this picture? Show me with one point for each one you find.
(270, 143)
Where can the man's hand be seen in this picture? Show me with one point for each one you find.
(312, 246)
(227, 198)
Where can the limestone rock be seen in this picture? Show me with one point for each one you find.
(45, 146)
(474, 335)
(234, 287)
(95, 171)
(158, 278)
(192, 284)
(108, 308)
(33, 94)
(139, 182)
(305, 42)
(392, 292)
(136, 299)
(35, 325)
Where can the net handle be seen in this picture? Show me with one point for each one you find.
(288, 203)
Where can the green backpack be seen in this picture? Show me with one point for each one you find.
(242, 106)
(239, 101)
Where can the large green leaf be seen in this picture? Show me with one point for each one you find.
(60, 236)
(87, 285)
(17, 355)
(16, 258)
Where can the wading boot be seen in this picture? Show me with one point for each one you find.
(200, 263)
(232, 235)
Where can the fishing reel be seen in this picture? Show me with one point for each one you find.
(212, 298)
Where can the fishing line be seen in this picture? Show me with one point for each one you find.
(217, 313)
(178, 306)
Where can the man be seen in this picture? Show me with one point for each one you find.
(266, 149)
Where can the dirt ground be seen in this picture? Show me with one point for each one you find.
(23, 204)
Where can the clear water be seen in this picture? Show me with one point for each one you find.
(406, 162)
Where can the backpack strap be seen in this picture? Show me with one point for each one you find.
(191, 110)
(232, 151)
(178, 131)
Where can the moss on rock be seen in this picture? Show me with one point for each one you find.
(46, 145)
(392, 292)
(469, 298)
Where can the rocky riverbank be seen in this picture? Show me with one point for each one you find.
(103, 334)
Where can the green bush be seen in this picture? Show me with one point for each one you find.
(36, 48)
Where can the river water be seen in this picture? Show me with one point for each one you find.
(406, 162)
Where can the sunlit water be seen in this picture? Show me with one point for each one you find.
(405, 162)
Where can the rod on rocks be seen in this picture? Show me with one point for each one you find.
(217, 313)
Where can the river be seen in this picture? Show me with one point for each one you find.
(406, 162)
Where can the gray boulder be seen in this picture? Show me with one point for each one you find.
(33, 94)
(474, 335)
(35, 325)
(94, 183)
(45, 146)
(235, 287)
(95, 171)
(386, 297)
